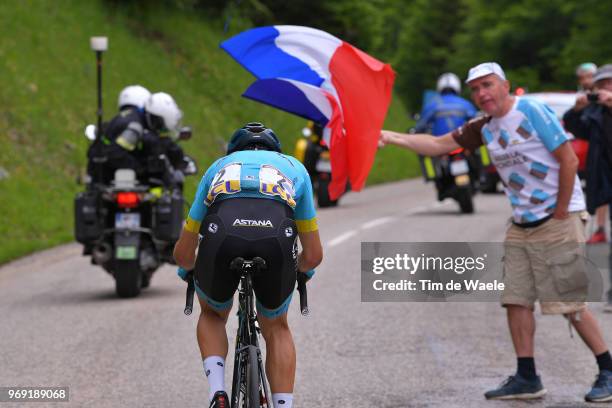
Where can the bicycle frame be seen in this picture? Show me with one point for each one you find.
(247, 335)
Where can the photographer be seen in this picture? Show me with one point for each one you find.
(591, 119)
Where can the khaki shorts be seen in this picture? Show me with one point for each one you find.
(546, 263)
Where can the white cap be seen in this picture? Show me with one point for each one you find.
(486, 68)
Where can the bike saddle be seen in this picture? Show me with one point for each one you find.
(239, 264)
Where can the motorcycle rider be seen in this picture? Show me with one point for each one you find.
(163, 123)
(145, 127)
(111, 155)
(444, 113)
(447, 110)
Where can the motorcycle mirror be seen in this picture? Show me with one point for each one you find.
(306, 132)
(90, 132)
(185, 133)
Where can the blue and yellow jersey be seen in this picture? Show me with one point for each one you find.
(256, 174)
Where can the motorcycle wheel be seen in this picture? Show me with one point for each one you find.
(323, 194)
(252, 380)
(128, 278)
(489, 184)
(146, 279)
(464, 198)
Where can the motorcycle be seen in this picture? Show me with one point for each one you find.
(314, 154)
(129, 227)
(455, 176)
(489, 178)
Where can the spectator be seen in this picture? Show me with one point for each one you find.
(591, 119)
(529, 147)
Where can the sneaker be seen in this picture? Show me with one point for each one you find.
(598, 237)
(517, 387)
(602, 388)
(220, 400)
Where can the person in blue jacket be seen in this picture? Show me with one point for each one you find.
(446, 111)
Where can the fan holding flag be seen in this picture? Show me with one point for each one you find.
(317, 76)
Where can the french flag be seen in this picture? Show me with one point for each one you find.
(320, 77)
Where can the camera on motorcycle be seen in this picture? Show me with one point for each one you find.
(90, 132)
(593, 97)
(98, 43)
(190, 166)
(185, 133)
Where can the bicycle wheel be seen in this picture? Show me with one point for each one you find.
(252, 380)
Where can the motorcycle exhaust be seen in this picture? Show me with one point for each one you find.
(102, 253)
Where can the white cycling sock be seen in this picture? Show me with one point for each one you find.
(282, 400)
(214, 368)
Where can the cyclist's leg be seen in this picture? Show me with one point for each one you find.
(212, 340)
(215, 287)
(212, 337)
(280, 354)
(214, 283)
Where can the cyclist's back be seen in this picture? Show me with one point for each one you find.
(254, 202)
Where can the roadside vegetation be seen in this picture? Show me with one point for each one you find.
(48, 95)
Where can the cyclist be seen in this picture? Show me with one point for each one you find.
(254, 201)
(446, 111)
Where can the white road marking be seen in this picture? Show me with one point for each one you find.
(341, 238)
(376, 222)
(380, 221)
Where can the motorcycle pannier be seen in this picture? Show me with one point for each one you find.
(168, 217)
(87, 225)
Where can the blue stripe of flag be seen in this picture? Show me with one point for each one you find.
(256, 51)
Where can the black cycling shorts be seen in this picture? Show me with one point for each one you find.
(247, 228)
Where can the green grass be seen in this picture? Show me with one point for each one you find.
(48, 95)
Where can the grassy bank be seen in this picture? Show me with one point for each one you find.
(48, 96)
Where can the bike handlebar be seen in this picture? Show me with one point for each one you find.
(302, 278)
(189, 294)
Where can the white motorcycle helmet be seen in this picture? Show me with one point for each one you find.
(133, 95)
(162, 113)
(449, 81)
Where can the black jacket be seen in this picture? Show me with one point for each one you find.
(119, 123)
(588, 124)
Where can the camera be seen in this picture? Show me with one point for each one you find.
(593, 97)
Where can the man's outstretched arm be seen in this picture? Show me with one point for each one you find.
(424, 144)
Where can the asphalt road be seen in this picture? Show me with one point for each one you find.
(61, 325)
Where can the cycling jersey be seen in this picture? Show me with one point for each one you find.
(256, 174)
(444, 114)
(520, 145)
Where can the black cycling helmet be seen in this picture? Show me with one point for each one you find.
(253, 135)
